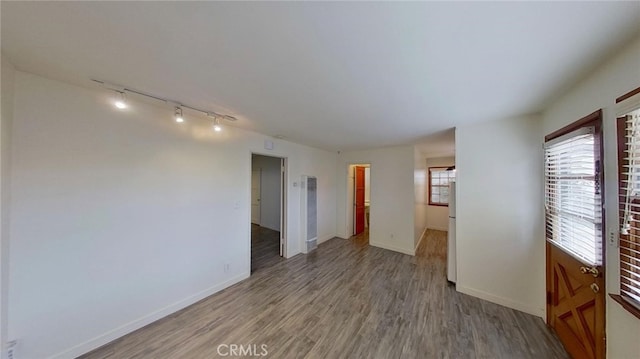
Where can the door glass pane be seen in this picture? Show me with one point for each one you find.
(572, 197)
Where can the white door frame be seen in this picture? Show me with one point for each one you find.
(257, 220)
(284, 213)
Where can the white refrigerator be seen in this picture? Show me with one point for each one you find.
(451, 245)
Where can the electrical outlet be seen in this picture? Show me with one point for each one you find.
(11, 349)
(226, 267)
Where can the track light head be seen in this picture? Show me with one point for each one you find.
(216, 125)
(178, 115)
(216, 121)
(121, 100)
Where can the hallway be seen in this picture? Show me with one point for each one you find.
(346, 299)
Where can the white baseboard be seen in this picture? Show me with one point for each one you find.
(444, 229)
(390, 247)
(325, 238)
(538, 312)
(147, 319)
(420, 240)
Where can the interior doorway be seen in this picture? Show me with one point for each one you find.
(359, 195)
(268, 212)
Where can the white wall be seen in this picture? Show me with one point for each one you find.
(7, 99)
(420, 184)
(122, 217)
(392, 196)
(438, 216)
(599, 90)
(270, 190)
(500, 238)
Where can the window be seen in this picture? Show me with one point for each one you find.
(629, 194)
(573, 208)
(439, 179)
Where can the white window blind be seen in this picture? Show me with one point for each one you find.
(630, 210)
(572, 195)
(439, 179)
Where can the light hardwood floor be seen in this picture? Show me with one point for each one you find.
(346, 300)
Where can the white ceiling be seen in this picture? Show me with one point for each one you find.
(338, 76)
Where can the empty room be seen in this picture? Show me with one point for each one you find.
(310, 179)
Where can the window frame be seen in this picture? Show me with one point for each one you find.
(629, 304)
(439, 168)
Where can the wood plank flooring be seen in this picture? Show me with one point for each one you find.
(265, 247)
(346, 300)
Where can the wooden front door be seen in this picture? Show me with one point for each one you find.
(575, 303)
(574, 230)
(358, 200)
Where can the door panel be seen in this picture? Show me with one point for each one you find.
(359, 208)
(255, 196)
(575, 307)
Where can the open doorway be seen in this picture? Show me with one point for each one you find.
(267, 210)
(359, 194)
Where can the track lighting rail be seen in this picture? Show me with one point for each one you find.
(124, 89)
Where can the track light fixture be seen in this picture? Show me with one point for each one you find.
(121, 100)
(178, 115)
(121, 103)
(216, 122)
